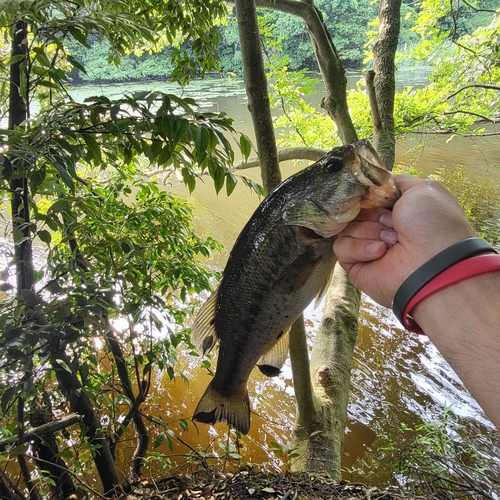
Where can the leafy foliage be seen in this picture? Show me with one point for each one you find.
(118, 264)
(440, 462)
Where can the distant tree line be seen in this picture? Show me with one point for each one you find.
(350, 23)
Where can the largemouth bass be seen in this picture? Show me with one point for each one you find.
(282, 259)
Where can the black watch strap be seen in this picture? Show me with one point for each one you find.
(434, 266)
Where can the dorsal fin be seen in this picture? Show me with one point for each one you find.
(271, 362)
(204, 335)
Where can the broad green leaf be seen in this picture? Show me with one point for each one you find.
(66, 178)
(7, 396)
(201, 140)
(231, 182)
(45, 236)
(64, 365)
(245, 146)
(76, 64)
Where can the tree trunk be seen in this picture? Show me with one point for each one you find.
(329, 63)
(381, 81)
(322, 413)
(19, 184)
(46, 454)
(81, 404)
(141, 431)
(257, 93)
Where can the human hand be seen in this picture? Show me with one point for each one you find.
(380, 248)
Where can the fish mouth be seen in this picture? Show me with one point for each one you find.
(368, 169)
(309, 233)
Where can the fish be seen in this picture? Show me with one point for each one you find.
(282, 259)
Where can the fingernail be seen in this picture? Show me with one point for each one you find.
(390, 238)
(386, 220)
(372, 248)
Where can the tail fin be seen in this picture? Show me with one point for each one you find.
(213, 408)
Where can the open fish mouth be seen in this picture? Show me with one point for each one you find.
(309, 233)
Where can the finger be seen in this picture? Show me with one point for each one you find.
(350, 251)
(389, 237)
(369, 230)
(386, 220)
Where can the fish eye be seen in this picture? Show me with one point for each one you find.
(334, 166)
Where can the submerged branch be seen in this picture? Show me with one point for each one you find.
(305, 398)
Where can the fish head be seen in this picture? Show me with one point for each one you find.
(337, 187)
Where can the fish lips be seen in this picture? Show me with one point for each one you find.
(367, 168)
(381, 196)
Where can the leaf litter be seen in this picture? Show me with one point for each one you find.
(247, 485)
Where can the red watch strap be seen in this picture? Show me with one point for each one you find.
(460, 250)
(462, 270)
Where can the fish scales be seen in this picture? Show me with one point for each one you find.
(281, 260)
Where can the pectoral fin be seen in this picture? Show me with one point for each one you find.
(272, 361)
(204, 335)
(324, 288)
(296, 274)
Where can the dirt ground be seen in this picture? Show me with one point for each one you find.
(256, 486)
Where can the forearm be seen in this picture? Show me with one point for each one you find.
(463, 321)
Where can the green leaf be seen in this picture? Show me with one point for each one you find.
(79, 36)
(181, 126)
(45, 236)
(29, 297)
(245, 146)
(231, 182)
(158, 440)
(17, 58)
(41, 57)
(64, 365)
(59, 206)
(201, 141)
(66, 178)
(6, 397)
(76, 64)
(94, 150)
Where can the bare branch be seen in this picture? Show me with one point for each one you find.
(286, 154)
(43, 430)
(474, 85)
(477, 9)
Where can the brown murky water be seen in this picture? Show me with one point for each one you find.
(397, 377)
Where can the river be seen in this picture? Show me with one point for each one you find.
(398, 378)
